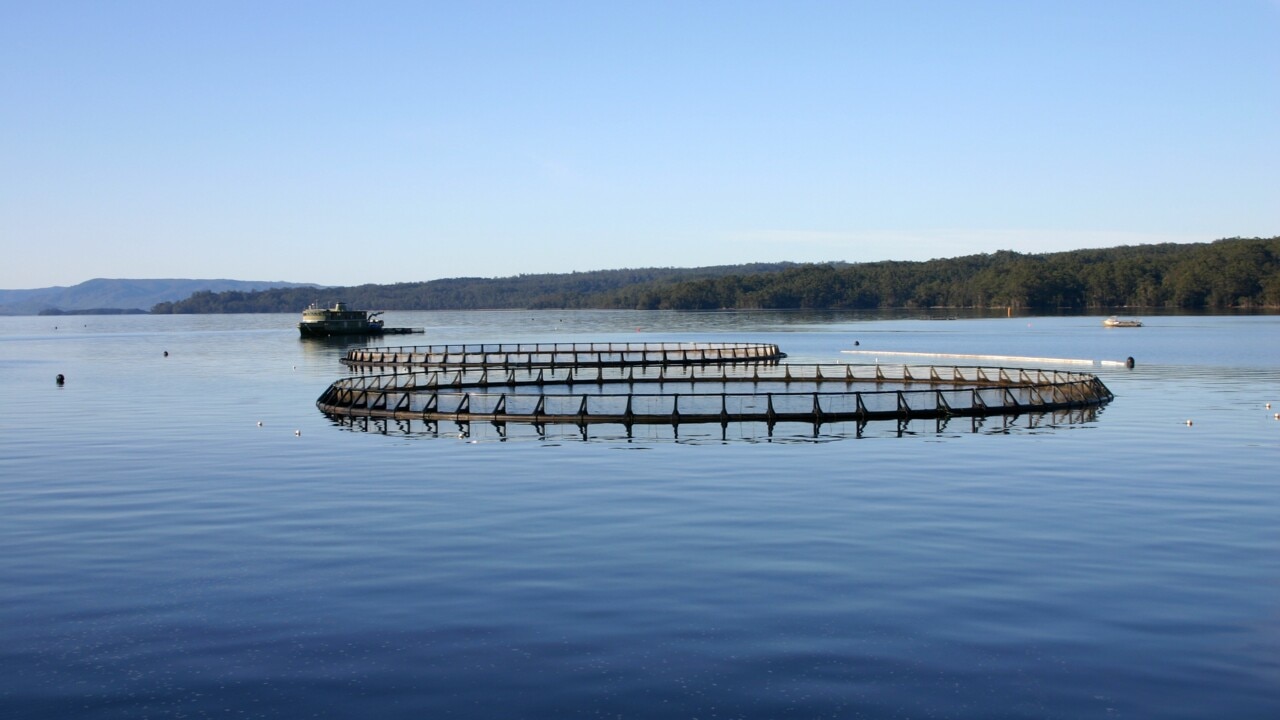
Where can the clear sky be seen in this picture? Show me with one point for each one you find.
(352, 142)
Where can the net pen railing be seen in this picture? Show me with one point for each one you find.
(761, 392)
(562, 354)
(515, 376)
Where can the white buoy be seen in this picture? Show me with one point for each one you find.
(298, 433)
(1268, 406)
(259, 423)
(1188, 423)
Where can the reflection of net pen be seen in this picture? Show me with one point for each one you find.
(705, 392)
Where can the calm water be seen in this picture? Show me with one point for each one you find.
(163, 555)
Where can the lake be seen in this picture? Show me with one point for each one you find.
(186, 535)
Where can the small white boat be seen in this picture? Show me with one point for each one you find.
(1114, 321)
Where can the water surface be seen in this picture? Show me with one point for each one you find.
(164, 555)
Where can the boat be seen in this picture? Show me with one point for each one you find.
(319, 321)
(1114, 321)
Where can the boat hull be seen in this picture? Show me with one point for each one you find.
(1113, 322)
(330, 329)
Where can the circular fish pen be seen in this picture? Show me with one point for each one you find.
(680, 384)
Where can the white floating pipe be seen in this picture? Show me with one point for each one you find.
(1017, 358)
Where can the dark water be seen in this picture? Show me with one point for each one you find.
(163, 555)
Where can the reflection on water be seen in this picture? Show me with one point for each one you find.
(761, 431)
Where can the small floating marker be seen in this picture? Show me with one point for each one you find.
(1128, 362)
(1268, 406)
(1188, 423)
(298, 433)
(259, 423)
(166, 353)
(1277, 416)
(60, 379)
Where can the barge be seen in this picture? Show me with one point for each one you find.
(319, 321)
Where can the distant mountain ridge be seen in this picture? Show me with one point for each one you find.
(544, 290)
(123, 294)
(1232, 273)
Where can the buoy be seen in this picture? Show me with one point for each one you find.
(1129, 362)
(60, 380)
(298, 433)
(1188, 423)
(166, 353)
(856, 343)
(1277, 416)
(259, 423)
(1268, 406)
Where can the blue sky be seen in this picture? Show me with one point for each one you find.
(345, 143)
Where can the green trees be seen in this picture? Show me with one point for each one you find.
(1231, 273)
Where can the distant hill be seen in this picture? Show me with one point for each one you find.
(555, 290)
(1241, 273)
(119, 294)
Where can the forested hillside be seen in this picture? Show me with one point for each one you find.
(522, 291)
(1233, 273)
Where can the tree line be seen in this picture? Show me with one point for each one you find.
(1226, 274)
